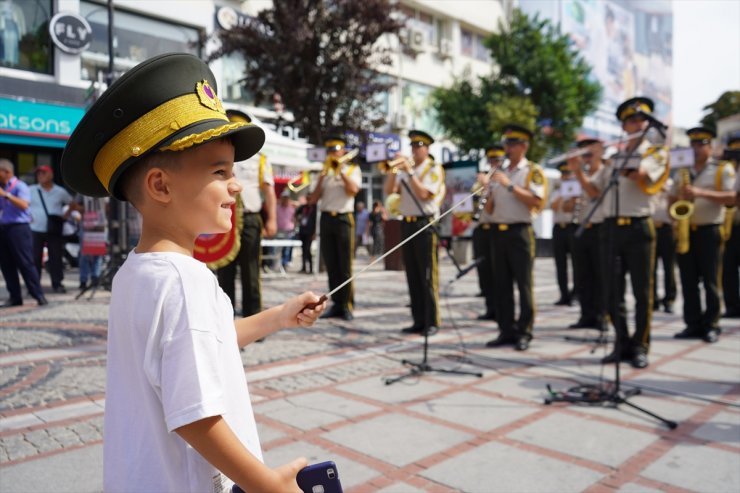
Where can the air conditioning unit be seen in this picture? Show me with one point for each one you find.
(445, 48)
(400, 120)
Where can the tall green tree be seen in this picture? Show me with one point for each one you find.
(321, 57)
(533, 61)
(727, 104)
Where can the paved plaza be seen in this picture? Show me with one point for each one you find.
(322, 393)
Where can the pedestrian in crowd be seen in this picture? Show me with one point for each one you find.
(710, 188)
(515, 195)
(92, 228)
(731, 256)
(361, 226)
(563, 231)
(630, 232)
(306, 219)
(483, 233)
(47, 209)
(375, 224)
(420, 182)
(588, 249)
(665, 250)
(286, 225)
(258, 194)
(335, 191)
(16, 239)
(177, 414)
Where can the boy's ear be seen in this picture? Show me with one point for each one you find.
(156, 185)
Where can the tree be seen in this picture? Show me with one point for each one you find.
(321, 57)
(728, 104)
(534, 62)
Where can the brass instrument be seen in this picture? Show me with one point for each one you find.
(385, 167)
(681, 211)
(332, 163)
(392, 203)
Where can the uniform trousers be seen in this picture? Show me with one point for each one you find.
(337, 247)
(665, 250)
(16, 245)
(248, 260)
(483, 249)
(633, 246)
(701, 264)
(731, 271)
(514, 246)
(562, 246)
(588, 265)
(54, 246)
(422, 275)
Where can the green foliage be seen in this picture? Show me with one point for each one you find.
(321, 57)
(535, 63)
(519, 110)
(727, 104)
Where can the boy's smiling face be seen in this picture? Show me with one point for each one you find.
(205, 188)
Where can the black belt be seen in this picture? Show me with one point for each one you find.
(505, 226)
(251, 214)
(335, 213)
(626, 220)
(413, 219)
(694, 227)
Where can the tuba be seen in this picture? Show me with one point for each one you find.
(681, 211)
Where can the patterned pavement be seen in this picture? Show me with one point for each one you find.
(321, 393)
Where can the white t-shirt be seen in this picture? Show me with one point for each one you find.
(173, 359)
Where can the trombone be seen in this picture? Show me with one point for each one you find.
(335, 164)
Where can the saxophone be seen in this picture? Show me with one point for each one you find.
(681, 211)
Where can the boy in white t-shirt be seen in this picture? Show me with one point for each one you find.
(177, 414)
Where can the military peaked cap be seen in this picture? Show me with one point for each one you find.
(335, 142)
(701, 134)
(640, 104)
(517, 133)
(420, 138)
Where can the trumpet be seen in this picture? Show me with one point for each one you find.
(391, 166)
(335, 164)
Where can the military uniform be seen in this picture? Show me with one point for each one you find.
(665, 250)
(256, 178)
(702, 261)
(514, 246)
(588, 259)
(731, 255)
(483, 243)
(337, 230)
(563, 231)
(630, 239)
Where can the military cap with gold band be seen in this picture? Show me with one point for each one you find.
(335, 142)
(517, 133)
(633, 106)
(701, 134)
(166, 103)
(238, 116)
(495, 151)
(420, 138)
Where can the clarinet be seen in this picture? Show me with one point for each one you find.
(483, 198)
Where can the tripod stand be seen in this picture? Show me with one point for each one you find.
(589, 394)
(423, 366)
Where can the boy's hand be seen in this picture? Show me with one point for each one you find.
(295, 312)
(284, 478)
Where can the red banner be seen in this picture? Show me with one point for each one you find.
(220, 249)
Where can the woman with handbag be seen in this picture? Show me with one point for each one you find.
(47, 205)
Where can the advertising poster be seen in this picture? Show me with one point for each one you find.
(460, 177)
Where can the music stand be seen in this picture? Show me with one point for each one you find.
(591, 394)
(423, 366)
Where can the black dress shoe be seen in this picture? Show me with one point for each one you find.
(731, 314)
(9, 303)
(412, 330)
(689, 333)
(639, 360)
(59, 289)
(711, 336)
(431, 330)
(584, 324)
(346, 315)
(501, 340)
(42, 301)
(522, 343)
(668, 307)
(487, 316)
(562, 302)
(624, 355)
(333, 312)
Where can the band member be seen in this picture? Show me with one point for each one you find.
(588, 248)
(516, 192)
(482, 234)
(563, 229)
(335, 191)
(665, 249)
(731, 256)
(630, 232)
(420, 183)
(255, 176)
(710, 188)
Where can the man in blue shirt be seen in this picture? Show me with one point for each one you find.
(16, 241)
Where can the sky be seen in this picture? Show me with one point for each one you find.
(706, 55)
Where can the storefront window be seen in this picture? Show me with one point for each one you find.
(136, 38)
(233, 73)
(24, 35)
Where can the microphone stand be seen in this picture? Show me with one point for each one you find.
(421, 367)
(614, 395)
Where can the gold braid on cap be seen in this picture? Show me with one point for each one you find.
(631, 110)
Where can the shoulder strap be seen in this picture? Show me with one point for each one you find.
(263, 162)
(43, 202)
(721, 166)
(427, 168)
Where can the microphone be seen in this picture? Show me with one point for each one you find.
(659, 125)
(469, 267)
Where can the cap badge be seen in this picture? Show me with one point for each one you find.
(208, 97)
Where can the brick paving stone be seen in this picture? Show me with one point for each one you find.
(312, 410)
(636, 488)
(404, 391)
(722, 428)
(400, 488)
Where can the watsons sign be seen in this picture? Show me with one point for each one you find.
(37, 124)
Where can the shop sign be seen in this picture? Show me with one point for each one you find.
(70, 33)
(229, 18)
(37, 123)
